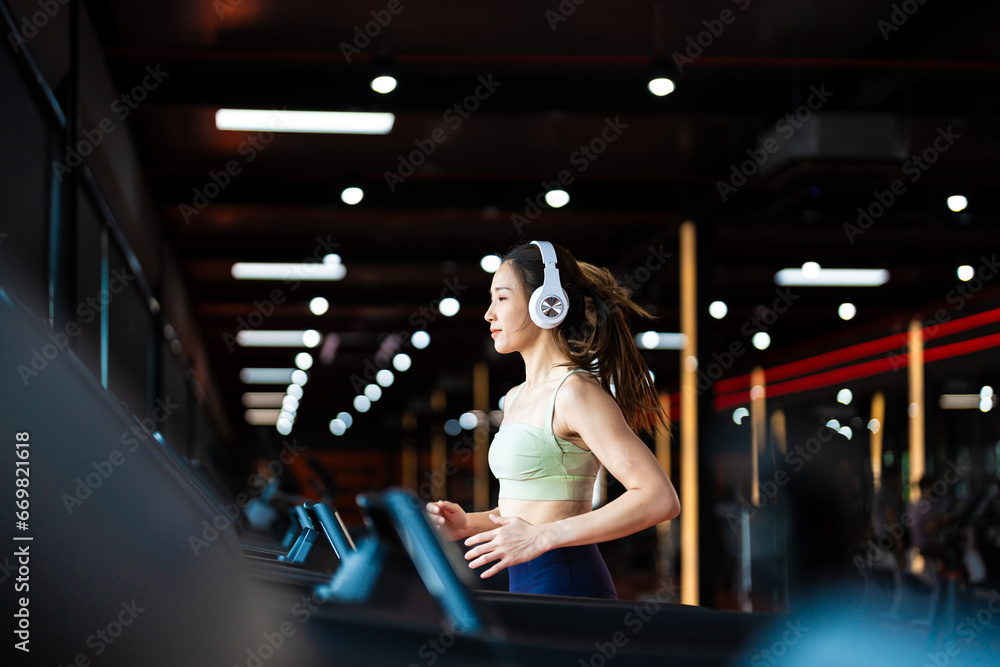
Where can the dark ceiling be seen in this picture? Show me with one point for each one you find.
(557, 84)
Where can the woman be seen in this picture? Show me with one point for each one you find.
(560, 425)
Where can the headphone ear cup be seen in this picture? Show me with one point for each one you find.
(542, 304)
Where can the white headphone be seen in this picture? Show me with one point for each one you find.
(548, 304)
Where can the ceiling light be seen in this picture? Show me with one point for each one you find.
(311, 338)
(718, 309)
(274, 338)
(258, 417)
(284, 426)
(319, 305)
(288, 271)
(832, 277)
(294, 390)
(449, 306)
(385, 377)
(401, 362)
(420, 339)
(383, 84)
(373, 392)
(266, 375)
(966, 273)
(556, 198)
(452, 427)
(845, 396)
(468, 420)
(810, 270)
(661, 86)
(323, 122)
(761, 340)
(847, 311)
(346, 418)
(874, 426)
(362, 404)
(654, 340)
(262, 399)
(337, 427)
(352, 195)
(960, 401)
(490, 263)
(834, 424)
(739, 414)
(304, 360)
(299, 377)
(957, 203)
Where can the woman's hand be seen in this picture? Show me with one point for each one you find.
(450, 519)
(513, 541)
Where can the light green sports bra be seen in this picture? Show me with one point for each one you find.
(533, 464)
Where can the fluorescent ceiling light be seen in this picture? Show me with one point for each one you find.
(262, 417)
(324, 122)
(293, 338)
(959, 401)
(654, 340)
(288, 271)
(832, 277)
(263, 399)
(266, 375)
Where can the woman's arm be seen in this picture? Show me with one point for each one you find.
(456, 523)
(582, 407)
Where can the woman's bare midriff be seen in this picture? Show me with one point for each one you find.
(538, 512)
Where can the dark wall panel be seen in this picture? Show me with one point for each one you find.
(24, 190)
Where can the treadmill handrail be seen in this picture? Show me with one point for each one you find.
(431, 560)
(334, 529)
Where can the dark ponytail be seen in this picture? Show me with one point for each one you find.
(595, 334)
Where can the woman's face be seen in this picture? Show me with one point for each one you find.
(510, 326)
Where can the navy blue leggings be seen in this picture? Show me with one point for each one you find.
(576, 571)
